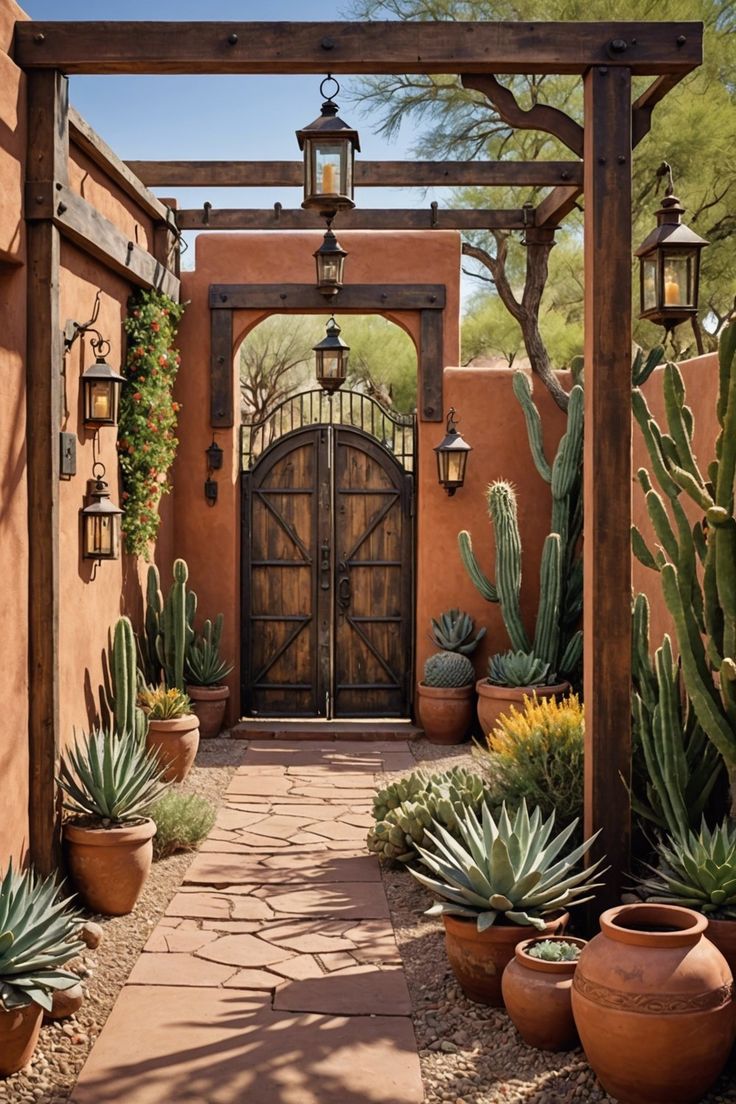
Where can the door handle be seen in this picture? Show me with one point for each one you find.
(344, 592)
(325, 567)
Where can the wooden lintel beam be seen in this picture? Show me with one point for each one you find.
(306, 297)
(368, 174)
(367, 47)
(81, 223)
(642, 108)
(365, 218)
(89, 142)
(556, 206)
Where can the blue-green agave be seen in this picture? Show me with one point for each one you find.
(110, 778)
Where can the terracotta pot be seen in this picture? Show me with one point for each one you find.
(652, 1000)
(110, 865)
(495, 700)
(445, 712)
(19, 1032)
(478, 959)
(723, 934)
(176, 742)
(537, 995)
(208, 706)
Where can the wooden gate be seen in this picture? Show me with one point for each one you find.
(327, 578)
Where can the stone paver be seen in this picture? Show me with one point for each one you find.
(275, 976)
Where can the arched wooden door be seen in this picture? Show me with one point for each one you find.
(327, 578)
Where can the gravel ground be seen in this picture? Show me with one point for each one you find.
(471, 1054)
(64, 1045)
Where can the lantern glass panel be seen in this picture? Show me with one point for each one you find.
(456, 466)
(678, 279)
(329, 269)
(649, 283)
(101, 536)
(100, 400)
(331, 175)
(332, 364)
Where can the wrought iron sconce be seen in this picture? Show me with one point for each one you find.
(100, 520)
(452, 456)
(101, 384)
(330, 258)
(331, 357)
(214, 456)
(329, 146)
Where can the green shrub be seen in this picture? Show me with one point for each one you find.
(182, 822)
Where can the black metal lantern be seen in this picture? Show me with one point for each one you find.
(100, 521)
(329, 146)
(330, 258)
(101, 387)
(669, 262)
(214, 456)
(331, 355)
(452, 456)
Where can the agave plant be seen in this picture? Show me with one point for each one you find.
(162, 704)
(490, 869)
(453, 632)
(38, 935)
(518, 669)
(697, 871)
(110, 778)
(204, 666)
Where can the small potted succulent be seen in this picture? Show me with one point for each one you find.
(110, 782)
(173, 729)
(496, 880)
(205, 671)
(513, 676)
(38, 936)
(445, 697)
(536, 988)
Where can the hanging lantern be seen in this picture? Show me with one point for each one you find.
(669, 263)
(101, 386)
(214, 456)
(329, 146)
(331, 355)
(452, 456)
(330, 258)
(100, 521)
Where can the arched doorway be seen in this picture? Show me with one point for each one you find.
(328, 559)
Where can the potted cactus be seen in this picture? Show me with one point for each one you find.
(445, 696)
(110, 781)
(125, 714)
(38, 936)
(513, 677)
(173, 730)
(537, 991)
(496, 879)
(205, 671)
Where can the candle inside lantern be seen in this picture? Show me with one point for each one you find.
(100, 404)
(672, 292)
(328, 179)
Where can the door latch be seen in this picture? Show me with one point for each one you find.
(325, 567)
(344, 592)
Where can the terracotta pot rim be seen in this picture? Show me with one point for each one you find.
(530, 963)
(517, 693)
(458, 692)
(208, 693)
(110, 837)
(174, 724)
(689, 925)
(504, 926)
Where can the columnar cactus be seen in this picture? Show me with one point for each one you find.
(697, 564)
(175, 619)
(128, 718)
(557, 639)
(154, 609)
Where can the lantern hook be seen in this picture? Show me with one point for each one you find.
(665, 169)
(329, 97)
(452, 421)
(98, 475)
(76, 329)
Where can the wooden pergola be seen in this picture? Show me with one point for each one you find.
(605, 55)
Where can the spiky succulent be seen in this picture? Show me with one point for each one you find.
(448, 669)
(38, 935)
(110, 778)
(405, 809)
(204, 666)
(697, 870)
(518, 669)
(554, 950)
(162, 704)
(502, 869)
(452, 631)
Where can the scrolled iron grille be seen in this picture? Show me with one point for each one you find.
(396, 432)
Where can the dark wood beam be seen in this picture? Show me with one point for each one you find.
(556, 206)
(306, 297)
(222, 414)
(83, 224)
(540, 116)
(644, 105)
(372, 47)
(368, 174)
(48, 149)
(364, 218)
(607, 471)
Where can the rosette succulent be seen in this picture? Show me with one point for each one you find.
(452, 631)
(697, 870)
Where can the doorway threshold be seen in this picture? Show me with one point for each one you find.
(363, 730)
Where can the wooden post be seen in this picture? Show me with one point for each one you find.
(607, 481)
(47, 161)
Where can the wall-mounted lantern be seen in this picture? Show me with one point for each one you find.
(331, 359)
(330, 258)
(214, 456)
(101, 386)
(100, 520)
(329, 146)
(669, 264)
(452, 456)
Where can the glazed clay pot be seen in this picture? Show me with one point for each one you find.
(723, 934)
(652, 1000)
(478, 959)
(110, 865)
(176, 742)
(495, 700)
(208, 706)
(445, 712)
(537, 995)
(19, 1032)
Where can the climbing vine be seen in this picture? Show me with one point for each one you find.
(148, 414)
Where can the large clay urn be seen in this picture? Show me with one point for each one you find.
(723, 934)
(495, 700)
(652, 1000)
(445, 712)
(208, 705)
(478, 959)
(175, 741)
(109, 866)
(537, 995)
(19, 1030)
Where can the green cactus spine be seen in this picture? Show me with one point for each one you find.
(176, 632)
(448, 669)
(128, 719)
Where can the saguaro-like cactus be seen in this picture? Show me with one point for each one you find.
(154, 610)
(175, 625)
(128, 718)
(557, 639)
(697, 564)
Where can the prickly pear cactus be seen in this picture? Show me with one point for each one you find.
(448, 669)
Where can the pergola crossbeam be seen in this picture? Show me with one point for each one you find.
(277, 218)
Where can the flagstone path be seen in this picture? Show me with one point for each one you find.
(274, 977)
